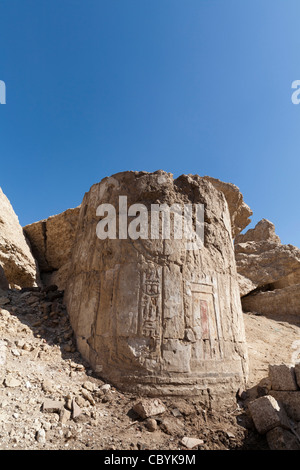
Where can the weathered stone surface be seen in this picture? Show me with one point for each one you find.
(132, 302)
(238, 209)
(149, 407)
(191, 442)
(263, 232)
(282, 377)
(264, 264)
(290, 402)
(276, 303)
(282, 439)
(265, 261)
(267, 413)
(52, 241)
(52, 406)
(16, 259)
(12, 382)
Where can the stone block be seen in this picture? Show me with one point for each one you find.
(267, 414)
(282, 377)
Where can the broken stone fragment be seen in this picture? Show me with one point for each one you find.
(90, 386)
(151, 424)
(52, 406)
(149, 407)
(191, 442)
(88, 396)
(76, 410)
(267, 413)
(41, 436)
(12, 382)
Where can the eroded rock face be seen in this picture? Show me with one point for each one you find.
(151, 315)
(18, 263)
(269, 272)
(52, 241)
(239, 211)
(275, 303)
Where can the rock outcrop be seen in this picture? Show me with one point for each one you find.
(269, 272)
(17, 261)
(238, 209)
(52, 242)
(149, 314)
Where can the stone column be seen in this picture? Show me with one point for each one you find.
(151, 315)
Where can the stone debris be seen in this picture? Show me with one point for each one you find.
(147, 408)
(151, 424)
(41, 436)
(191, 442)
(76, 410)
(147, 317)
(267, 414)
(12, 382)
(52, 406)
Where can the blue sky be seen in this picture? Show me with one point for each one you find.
(95, 87)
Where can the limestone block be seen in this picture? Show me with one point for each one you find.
(267, 413)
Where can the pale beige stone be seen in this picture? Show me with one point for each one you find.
(151, 315)
(263, 262)
(16, 258)
(276, 303)
(52, 242)
(191, 442)
(149, 407)
(239, 211)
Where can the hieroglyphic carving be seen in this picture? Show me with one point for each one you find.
(151, 303)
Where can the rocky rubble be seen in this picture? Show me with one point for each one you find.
(50, 398)
(277, 413)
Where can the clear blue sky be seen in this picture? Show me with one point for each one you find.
(95, 87)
